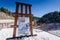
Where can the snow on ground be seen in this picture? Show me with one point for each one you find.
(55, 32)
(41, 35)
(6, 33)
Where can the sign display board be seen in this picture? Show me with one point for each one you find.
(23, 28)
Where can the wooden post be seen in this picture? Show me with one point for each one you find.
(15, 23)
(30, 21)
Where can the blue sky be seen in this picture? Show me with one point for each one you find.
(39, 7)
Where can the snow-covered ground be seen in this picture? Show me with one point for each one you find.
(41, 35)
(55, 32)
(6, 33)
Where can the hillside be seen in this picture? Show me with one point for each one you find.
(5, 16)
(50, 22)
(6, 11)
(51, 17)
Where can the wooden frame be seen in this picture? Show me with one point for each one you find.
(26, 14)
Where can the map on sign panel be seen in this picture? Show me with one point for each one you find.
(23, 28)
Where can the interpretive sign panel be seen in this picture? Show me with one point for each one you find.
(23, 28)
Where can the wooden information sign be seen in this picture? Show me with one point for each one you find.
(21, 14)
